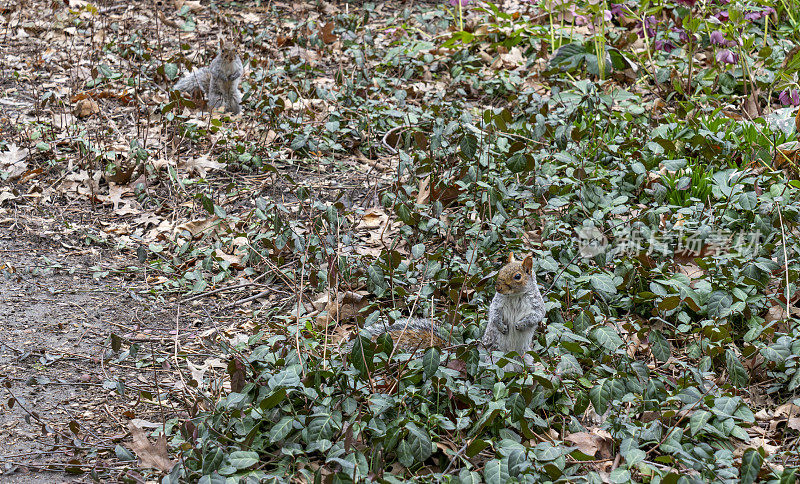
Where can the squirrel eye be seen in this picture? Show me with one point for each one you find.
(517, 276)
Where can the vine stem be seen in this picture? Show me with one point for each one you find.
(785, 260)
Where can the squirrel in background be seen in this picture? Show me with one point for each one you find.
(219, 81)
(515, 313)
(516, 310)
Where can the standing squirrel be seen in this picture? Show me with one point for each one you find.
(516, 310)
(219, 81)
(514, 316)
(408, 334)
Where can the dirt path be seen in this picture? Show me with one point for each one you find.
(59, 373)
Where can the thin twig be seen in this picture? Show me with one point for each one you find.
(218, 290)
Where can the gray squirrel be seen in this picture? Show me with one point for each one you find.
(219, 81)
(516, 310)
(515, 313)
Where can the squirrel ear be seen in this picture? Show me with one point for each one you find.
(527, 263)
(510, 257)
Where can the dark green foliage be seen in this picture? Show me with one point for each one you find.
(666, 258)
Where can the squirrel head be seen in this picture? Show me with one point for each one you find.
(227, 49)
(515, 276)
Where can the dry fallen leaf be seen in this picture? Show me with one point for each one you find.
(115, 193)
(198, 226)
(320, 303)
(200, 165)
(750, 106)
(424, 190)
(791, 412)
(311, 57)
(235, 261)
(6, 194)
(797, 121)
(191, 5)
(597, 443)
(150, 455)
(372, 219)
(584, 441)
(777, 312)
(787, 156)
(509, 60)
(13, 161)
(326, 33)
(86, 107)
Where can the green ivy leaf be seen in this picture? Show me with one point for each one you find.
(601, 395)
(739, 433)
(569, 56)
(789, 476)
(517, 162)
(634, 456)
(603, 282)
(376, 282)
(620, 475)
(751, 465)
(430, 362)
(517, 462)
(698, 421)
(242, 459)
(287, 378)
(123, 454)
(569, 366)
(475, 447)
(719, 303)
(581, 402)
(516, 405)
(748, 201)
(280, 430)
(275, 398)
(582, 322)
(320, 428)
(489, 414)
(361, 356)
(170, 71)
(404, 454)
(468, 477)
(419, 442)
(669, 303)
(496, 472)
(213, 478)
(607, 338)
(212, 460)
(469, 146)
(659, 345)
(546, 451)
(738, 374)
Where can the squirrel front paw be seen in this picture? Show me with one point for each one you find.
(524, 325)
(502, 326)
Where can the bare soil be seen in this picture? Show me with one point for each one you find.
(55, 356)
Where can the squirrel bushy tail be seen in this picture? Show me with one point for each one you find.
(408, 334)
(197, 79)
